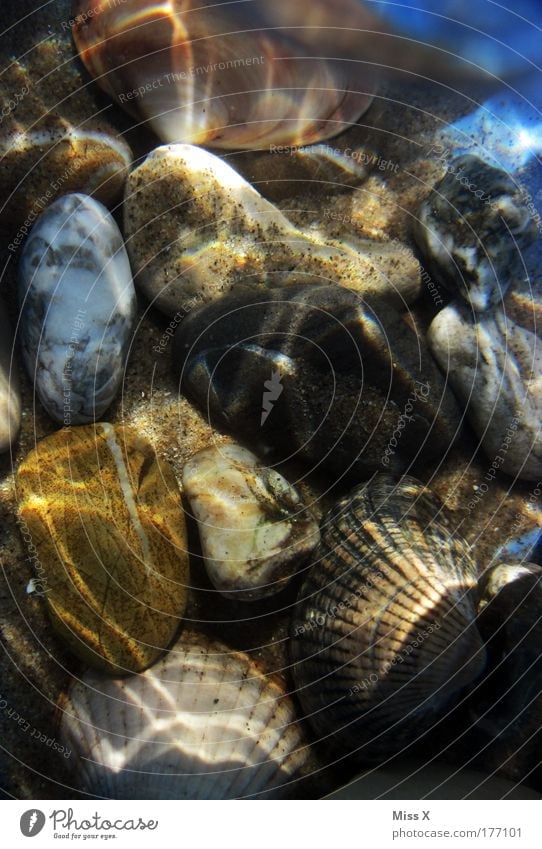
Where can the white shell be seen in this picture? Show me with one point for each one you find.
(254, 529)
(78, 307)
(203, 723)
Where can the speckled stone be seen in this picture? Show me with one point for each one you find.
(78, 307)
(10, 398)
(319, 375)
(254, 529)
(493, 362)
(472, 230)
(109, 538)
(55, 136)
(196, 229)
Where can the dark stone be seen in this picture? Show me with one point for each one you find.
(316, 373)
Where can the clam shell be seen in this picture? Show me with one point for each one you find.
(222, 75)
(203, 723)
(383, 638)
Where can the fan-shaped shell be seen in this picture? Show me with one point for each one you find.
(383, 639)
(203, 723)
(223, 74)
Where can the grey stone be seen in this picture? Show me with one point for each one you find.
(78, 307)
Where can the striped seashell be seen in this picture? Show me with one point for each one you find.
(203, 723)
(383, 640)
(227, 75)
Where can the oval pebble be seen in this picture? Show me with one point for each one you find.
(109, 541)
(78, 308)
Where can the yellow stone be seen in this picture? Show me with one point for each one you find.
(106, 520)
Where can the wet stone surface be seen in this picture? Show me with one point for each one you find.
(318, 375)
(78, 309)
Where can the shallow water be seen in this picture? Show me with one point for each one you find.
(399, 143)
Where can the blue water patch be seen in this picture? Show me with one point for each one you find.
(527, 547)
(499, 39)
(506, 130)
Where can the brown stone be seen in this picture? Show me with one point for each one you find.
(107, 524)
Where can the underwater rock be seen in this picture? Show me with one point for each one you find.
(511, 624)
(384, 637)
(224, 75)
(78, 308)
(195, 229)
(10, 398)
(472, 231)
(205, 722)
(341, 383)
(109, 535)
(525, 547)
(505, 131)
(253, 527)
(493, 361)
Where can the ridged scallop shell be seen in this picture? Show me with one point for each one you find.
(383, 640)
(224, 75)
(203, 723)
